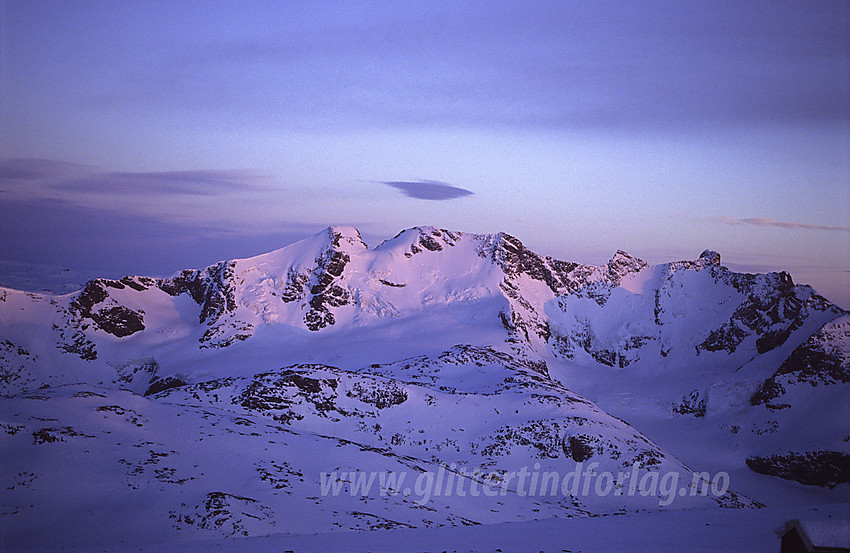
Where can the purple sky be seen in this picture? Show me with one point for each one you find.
(147, 136)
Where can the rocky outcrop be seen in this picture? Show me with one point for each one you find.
(817, 468)
(516, 260)
(430, 239)
(188, 282)
(109, 316)
(16, 364)
(225, 514)
(158, 385)
(326, 291)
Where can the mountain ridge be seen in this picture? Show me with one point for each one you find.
(433, 347)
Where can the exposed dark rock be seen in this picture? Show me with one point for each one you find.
(811, 363)
(304, 383)
(50, 435)
(136, 374)
(217, 337)
(818, 361)
(225, 513)
(161, 384)
(325, 291)
(816, 468)
(539, 367)
(11, 429)
(119, 321)
(381, 395)
(279, 474)
(430, 239)
(623, 264)
(773, 339)
(128, 415)
(769, 390)
(514, 259)
(138, 283)
(72, 339)
(15, 363)
(316, 320)
(375, 522)
(771, 315)
(691, 404)
(648, 458)
(338, 235)
(604, 356)
(80, 346)
(116, 320)
(278, 393)
(187, 281)
(260, 397)
(295, 287)
(726, 338)
(429, 243)
(219, 295)
(93, 293)
(579, 447)
(44, 436)
(710, 257)
(524, 320)
(540, 436)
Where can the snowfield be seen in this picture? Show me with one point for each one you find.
(750, 531)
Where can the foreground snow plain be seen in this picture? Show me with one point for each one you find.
(695, 530)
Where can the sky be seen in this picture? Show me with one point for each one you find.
(147, 137)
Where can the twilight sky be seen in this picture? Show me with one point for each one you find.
(145, 137)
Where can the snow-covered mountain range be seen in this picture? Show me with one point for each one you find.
(212, 402)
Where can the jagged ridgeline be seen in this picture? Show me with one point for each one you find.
(223, 393)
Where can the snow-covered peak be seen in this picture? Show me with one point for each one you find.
(345, 238)
(623, 264)
(340, 238)
(424, 238)
(710, 257)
